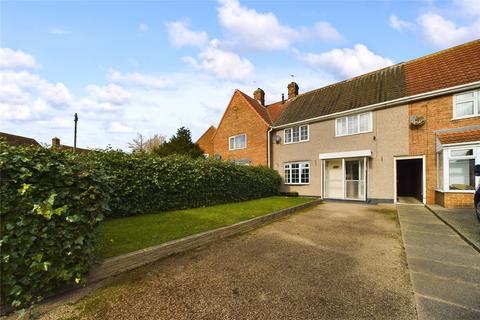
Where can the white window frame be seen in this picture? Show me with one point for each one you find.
(370, 127)
(447, 150)
(234, 137)
(476, 105)
(299, 128)
(301, 165)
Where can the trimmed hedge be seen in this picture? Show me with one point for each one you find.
(50, 205)
(51, 202)
(143, 183)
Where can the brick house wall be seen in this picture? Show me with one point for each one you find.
(205, 142)
(241, 118)
(422, 141)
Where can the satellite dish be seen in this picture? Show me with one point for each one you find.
(417, 121)
(277, 139)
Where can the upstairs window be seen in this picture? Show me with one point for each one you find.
(466, 104)
(357, 123)
(237, 142)
(297, 173)
(296, 134)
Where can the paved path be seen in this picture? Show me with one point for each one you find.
(336, 261)
(444, 269)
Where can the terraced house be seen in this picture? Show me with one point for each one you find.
(409, 132)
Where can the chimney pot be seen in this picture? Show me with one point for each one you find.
(292, 90)
(259, 95)
(55, 142)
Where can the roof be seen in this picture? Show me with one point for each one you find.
(276, 109)
(15, 140)
(444, 69)
(458, 135)
(375, 87)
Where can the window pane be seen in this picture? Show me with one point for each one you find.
(464, 109)
(464, 97)
(461, 174)
(341, 126)
(461, 153)
(231, 143)
(287, 174)
(240, 141)
(295, 134)
(288, 135)
(353, 124)
(440, 170)
(365, 122)
(303, 133)
(305, 173)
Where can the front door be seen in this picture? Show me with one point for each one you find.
(345, 179)
(334, 179)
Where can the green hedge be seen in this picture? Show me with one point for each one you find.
(144, 183)
(52, 201)
(50, 205)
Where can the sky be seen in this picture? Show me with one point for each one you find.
(150, 67)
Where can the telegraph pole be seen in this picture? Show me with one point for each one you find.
(75, 118)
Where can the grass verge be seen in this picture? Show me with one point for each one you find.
(123, 235)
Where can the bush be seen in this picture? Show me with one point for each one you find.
(143, 183)
(50, 205)
(51, 202)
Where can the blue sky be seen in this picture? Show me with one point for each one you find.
(151, 67)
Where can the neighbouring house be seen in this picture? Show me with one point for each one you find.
(409, 132)
(15, 140)
(56, 145)
(242, 134)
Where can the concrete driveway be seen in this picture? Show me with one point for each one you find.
(336, 261)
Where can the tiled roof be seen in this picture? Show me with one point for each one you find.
(444, 69)
(208, 134)
(460, 136)
(15, 140)
(379, 86)
(276, 109)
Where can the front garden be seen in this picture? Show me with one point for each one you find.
(60, 212)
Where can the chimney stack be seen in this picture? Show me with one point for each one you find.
(55, 142)
(292, 90)
(259, 95)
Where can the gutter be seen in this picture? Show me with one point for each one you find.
(268, 146)
(386, 104)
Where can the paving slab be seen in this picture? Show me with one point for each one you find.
(444, 269)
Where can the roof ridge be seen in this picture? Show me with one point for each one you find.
(444, 50)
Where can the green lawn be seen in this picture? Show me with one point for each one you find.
(122, 235)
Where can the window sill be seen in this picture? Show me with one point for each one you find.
(456, 191)
(466, 117)
(352, 134)
(296, 184)
(237, 149)
(297, 142)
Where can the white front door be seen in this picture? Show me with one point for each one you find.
(334, 179)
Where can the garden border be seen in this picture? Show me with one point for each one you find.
(129, 261)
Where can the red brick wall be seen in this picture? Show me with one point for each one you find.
(205, 142)
(454, 200)
(438, 112)
(240, 118)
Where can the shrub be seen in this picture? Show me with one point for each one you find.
(143, 183)
(50, 205)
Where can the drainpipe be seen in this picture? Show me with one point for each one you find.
(268, 145)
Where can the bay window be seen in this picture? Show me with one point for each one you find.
(297, 173)
(466, 104)
(456, 168)
(296, 134)
(357, 123)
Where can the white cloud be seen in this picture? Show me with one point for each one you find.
(10, 58)
(400, 25)
(59, 31)
(56, 123)
(444, 33)
(325, 31)
(110, 93)
(140, 80)
(29, 111)
(143, 27)
(222, 63)
(180, 34)
(118, 127)
(248, 29)
(346, 62)
(55, 93)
